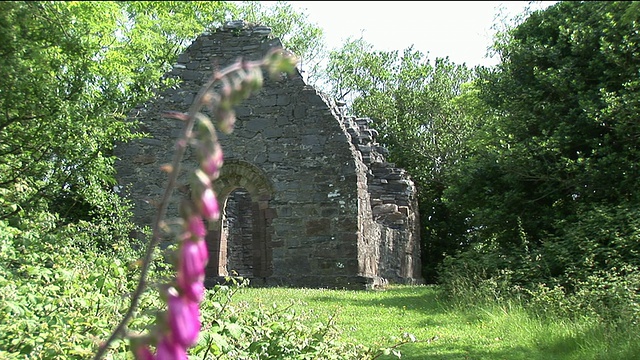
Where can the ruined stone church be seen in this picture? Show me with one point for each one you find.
(308, 198)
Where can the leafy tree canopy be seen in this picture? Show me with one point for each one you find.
(72, 70)
(558, 155)
(566, 100)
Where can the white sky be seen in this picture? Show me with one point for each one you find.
(458, 29)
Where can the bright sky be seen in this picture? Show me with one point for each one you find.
(461, 30)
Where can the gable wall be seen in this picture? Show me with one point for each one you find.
(316, 192)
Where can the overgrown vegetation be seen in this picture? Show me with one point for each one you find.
(61, 297)
(549, 188)
(486, 327)
(528, 171)
(527, 175)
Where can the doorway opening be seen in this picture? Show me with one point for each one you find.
(240, 242)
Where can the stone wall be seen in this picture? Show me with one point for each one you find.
(313, 201)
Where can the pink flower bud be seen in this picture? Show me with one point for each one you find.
(201, 180)
(205, 197)
(192, 291)
(192, 263)
(168, 349)
(203, 250)
(209, 205)
(176, 115)
(211, 161)
(195, 226)
(226, 119)
(143, 353)
(184, 319)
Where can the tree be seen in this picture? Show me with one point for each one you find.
(71, 71)
(561, 148)
(60, 105)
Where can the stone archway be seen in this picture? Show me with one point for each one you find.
(244, 193)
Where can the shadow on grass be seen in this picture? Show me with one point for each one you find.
(423, 299)
(451, 351)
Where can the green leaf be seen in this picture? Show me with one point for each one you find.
(234, 330)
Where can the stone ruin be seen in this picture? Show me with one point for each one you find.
(309, 199)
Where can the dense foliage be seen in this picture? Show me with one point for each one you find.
(71, 72)
(550, 189)
(565, 138)
(527, 171)
(61, 296)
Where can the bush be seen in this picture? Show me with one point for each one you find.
(60, 295)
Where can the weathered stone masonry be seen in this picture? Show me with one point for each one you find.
(309, 199)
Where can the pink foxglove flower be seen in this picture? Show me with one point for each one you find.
(209, 205)
(195, 226)
(170, 350)
(203, 251)
(192, 263)
(211, 161)
(184, 319)
(143, 353)
(192, 291)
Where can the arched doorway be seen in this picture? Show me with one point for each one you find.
(240, 243)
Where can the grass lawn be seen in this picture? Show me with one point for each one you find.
(447, 332)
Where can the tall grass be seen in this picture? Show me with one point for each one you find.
(447, 329)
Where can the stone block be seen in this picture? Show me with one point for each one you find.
(316, 227)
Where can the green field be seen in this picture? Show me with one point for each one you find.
(482, 331)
